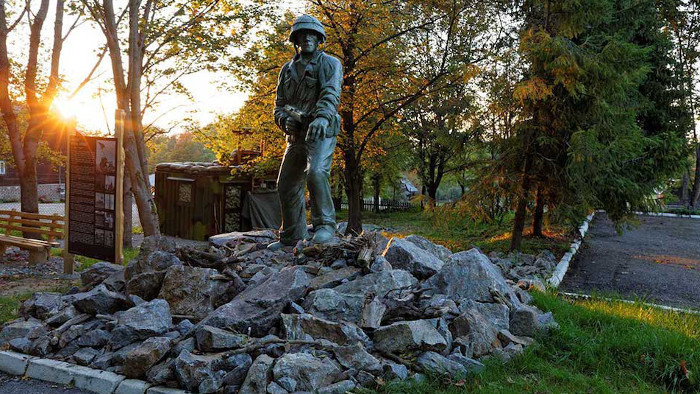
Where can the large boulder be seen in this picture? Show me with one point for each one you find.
(406, 255)
(524, 321)
(190, 291)
(409, 335)
(144, 275)
(235, 238)
(145, 355)
(21, 328)
(438, 250)
(258, 375)
(146, 320)
(335, 278)
(380, 283)
(100, 300)
(238, 366)
(308, 327)
(98, 272)
(212, 339)
(470, 275)
(473, 328)
(259, 308)
(155, 243)
(196, 373)
(497, 314)
(307, 372)
(441, 365)
(146, 284)
(41, 305)
(355, 356)
(331, 305)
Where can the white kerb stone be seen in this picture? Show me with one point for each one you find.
(14, 363)
(132, 386)
(50, 371)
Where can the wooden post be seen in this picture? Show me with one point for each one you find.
(119, 118)
(68, 258)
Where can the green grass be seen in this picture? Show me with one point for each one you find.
(602, 347)
(9, 308)
(87, 262)
(9, 305)
(451, 229)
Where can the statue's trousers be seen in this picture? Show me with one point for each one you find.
(310, 163)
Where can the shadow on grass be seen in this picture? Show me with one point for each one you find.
(602, 346)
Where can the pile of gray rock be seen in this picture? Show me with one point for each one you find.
(287, 321)
(518, 266)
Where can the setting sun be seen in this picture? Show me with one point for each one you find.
(66, 109)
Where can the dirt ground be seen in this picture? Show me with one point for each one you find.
(18, 276)
(659, 261)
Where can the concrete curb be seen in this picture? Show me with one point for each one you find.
(563, 265)
(85, 378)
(668, 215)
(664, 307)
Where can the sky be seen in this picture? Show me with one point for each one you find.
(93, 107)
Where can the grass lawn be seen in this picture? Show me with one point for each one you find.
(87, 262)
(602, 347)
(446, 227)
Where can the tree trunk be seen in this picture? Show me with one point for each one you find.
(685, 196)
(696, 183)
(521, 209)
(519, 220)
(353, 189)
(148, 214)
(376, 184)
(128, 201)
(432, 195)
(538, 216)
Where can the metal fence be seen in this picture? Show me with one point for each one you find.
(384, 205)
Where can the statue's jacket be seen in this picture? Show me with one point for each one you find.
(316, 92)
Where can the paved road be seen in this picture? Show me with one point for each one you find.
(659, 261)
(15, 385)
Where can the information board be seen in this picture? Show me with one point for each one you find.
(93, 202)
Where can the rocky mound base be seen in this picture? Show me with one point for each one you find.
(239, 318)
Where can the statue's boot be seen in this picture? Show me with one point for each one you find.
(275, 246)
(322, 235)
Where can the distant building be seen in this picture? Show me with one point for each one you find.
(45, 171)
(408, 189)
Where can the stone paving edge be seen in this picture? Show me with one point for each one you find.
(85, 378)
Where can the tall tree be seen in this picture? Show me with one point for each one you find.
(439, 127)
(38, 93)
(375, 42)
(165, 40)
(600, 128)
(683, 20)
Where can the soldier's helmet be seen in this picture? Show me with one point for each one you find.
(307, 22)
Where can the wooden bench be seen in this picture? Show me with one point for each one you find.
(50, 226)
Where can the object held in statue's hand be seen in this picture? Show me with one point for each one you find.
(301, 117)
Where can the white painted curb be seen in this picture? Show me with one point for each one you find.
(563, 265)
(668, 215)
(85, 378)
(664, 307)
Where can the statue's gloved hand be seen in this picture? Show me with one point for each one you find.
(317, 129)
(291, 126)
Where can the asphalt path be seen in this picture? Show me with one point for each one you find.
(17, 385)
(657, 262)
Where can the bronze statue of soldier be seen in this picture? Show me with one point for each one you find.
(306, 110)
